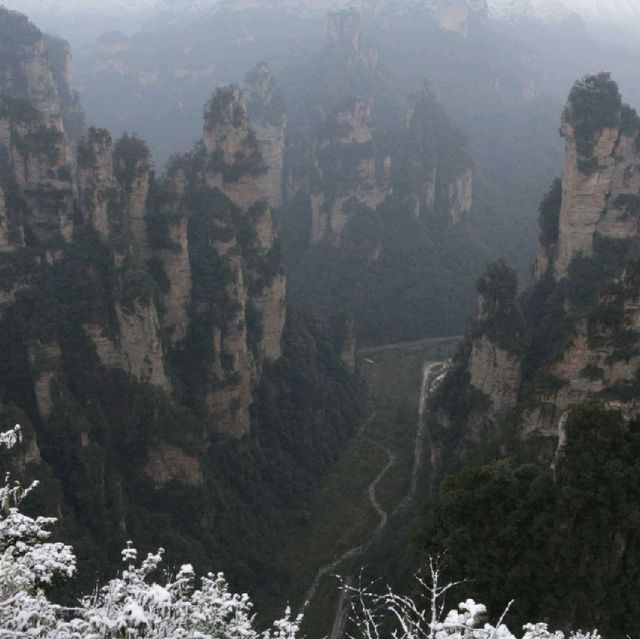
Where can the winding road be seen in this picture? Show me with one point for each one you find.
(432, 375)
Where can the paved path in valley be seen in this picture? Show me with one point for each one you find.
(432, 375)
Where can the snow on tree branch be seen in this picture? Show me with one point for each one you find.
(146, 602)
(388, 614)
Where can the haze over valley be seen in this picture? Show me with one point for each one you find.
(331, 303)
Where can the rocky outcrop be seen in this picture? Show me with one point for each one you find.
(46, 368)
(460, 16)
(167, 463)
(38, 68)
(602, 173)
(432, 177)
(137, 348)
(461, 196)
(579, 340)
(132, 165)
(345, 162)
(96, 180)
(25, 70)
(257, 287)
(494, 365)
(58, 53)
(159, 264)
(177, 269)
(265, 108)
(496, 373)
(236, 165)
(39, 171)
(345, 35)
(270, 304)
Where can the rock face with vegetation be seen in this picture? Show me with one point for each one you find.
(380, 190)
(256, 289)
(547, 383)
(143, 325)
(346, 180)
(460, 16)
(601, 177)
(573, 337)
(265, 107)
(494, 363)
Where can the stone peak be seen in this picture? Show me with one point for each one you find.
(226, 108)
(344, 28)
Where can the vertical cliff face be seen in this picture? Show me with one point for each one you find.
(141, 316)
(460, 16)
(265, 108)
(494, 361)
(432, 175)
(344, 34)
(347, 179)
(579, 338)
(243, 234)
(601, 178)
(142, 230)
(58, 53)
(38, 68)
(96, 179)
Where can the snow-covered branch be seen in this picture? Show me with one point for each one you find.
(388, 614)
(145, 601)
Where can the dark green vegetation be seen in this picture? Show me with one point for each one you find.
(251, 486)
(549, 215)
(401, 268)
(539, 502)
(306, 408)
(155, 84)
(78, 280)
(500, 319)
(339, 516)
(595, 104)
(394, 296)
(564, 543)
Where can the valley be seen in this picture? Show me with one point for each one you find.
(300, 300)
(374, 483)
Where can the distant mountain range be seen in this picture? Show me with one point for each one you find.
(607, 12)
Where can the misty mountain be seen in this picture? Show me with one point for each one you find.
(604, 12)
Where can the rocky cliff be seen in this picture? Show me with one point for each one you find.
(577, 338)
(433, 175)
(495, 368)
(234, 165)
(265, 108)
(346, 179)
(380, 190)
(142, 324)
(601, 181)
(345, 34)
(461, 16)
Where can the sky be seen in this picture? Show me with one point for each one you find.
(594, 11)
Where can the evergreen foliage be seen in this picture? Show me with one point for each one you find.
(595, 104)
(549, 215)
(563, 542)
(131, 159)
